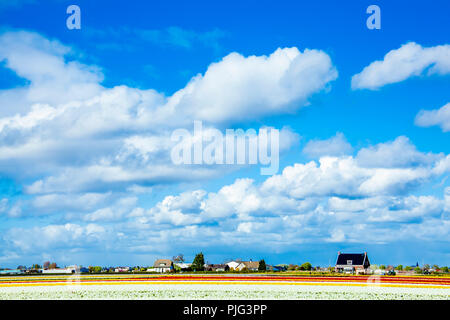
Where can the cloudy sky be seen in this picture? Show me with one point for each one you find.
(86, 118)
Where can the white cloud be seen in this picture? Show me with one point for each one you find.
(335, 146)
(70, 150)
(239, 88)
(388, 208)
(54, 236)
(114, 212)
(41, 61)
(447, 199)
(398, 153)
(409, 60)
(439, 117)
(343, 176)
(97, 136)
(3, 205)
(68, 202)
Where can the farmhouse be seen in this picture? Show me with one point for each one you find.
(352, 262)
(233, 265)
(162, 265)
(239, 265)
(66, 270)
(251, 265)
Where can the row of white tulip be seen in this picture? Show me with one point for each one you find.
(210, 291)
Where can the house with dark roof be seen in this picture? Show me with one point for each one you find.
(217, 267)
(352, 262)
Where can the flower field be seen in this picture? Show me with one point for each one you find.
(222, 287)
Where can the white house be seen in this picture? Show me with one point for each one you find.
(183, 265)
(66, 270)
(162, 265)
(239, 265)
(235, 265)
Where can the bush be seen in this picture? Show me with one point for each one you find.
(417, 270)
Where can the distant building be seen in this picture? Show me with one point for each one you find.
(277, 268)
(234, 265)
(217, 267)
(66, 270)
(11, 271)
(184, 266)
(352, 263)
(240, 265)
(162, 265)
(251, 265)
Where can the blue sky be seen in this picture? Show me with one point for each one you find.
(85, 118)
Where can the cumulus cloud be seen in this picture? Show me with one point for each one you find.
(335, 146)
(240, 88)
(343, 176)
(115, 137)
(84, 159)
(54, 236)
(447, 199)
(41, 62)
(398, 153)
(339, 186)
(439, 117)
(409, 60)
(54, 202)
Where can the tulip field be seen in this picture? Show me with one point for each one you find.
(129, 286)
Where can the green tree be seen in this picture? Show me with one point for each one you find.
(444, 269)
(262, 265)
(97, 269)
(399, 267)
(382, 267)
(306, 266)
(198, 263)
(418, 270)
(408, 268)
